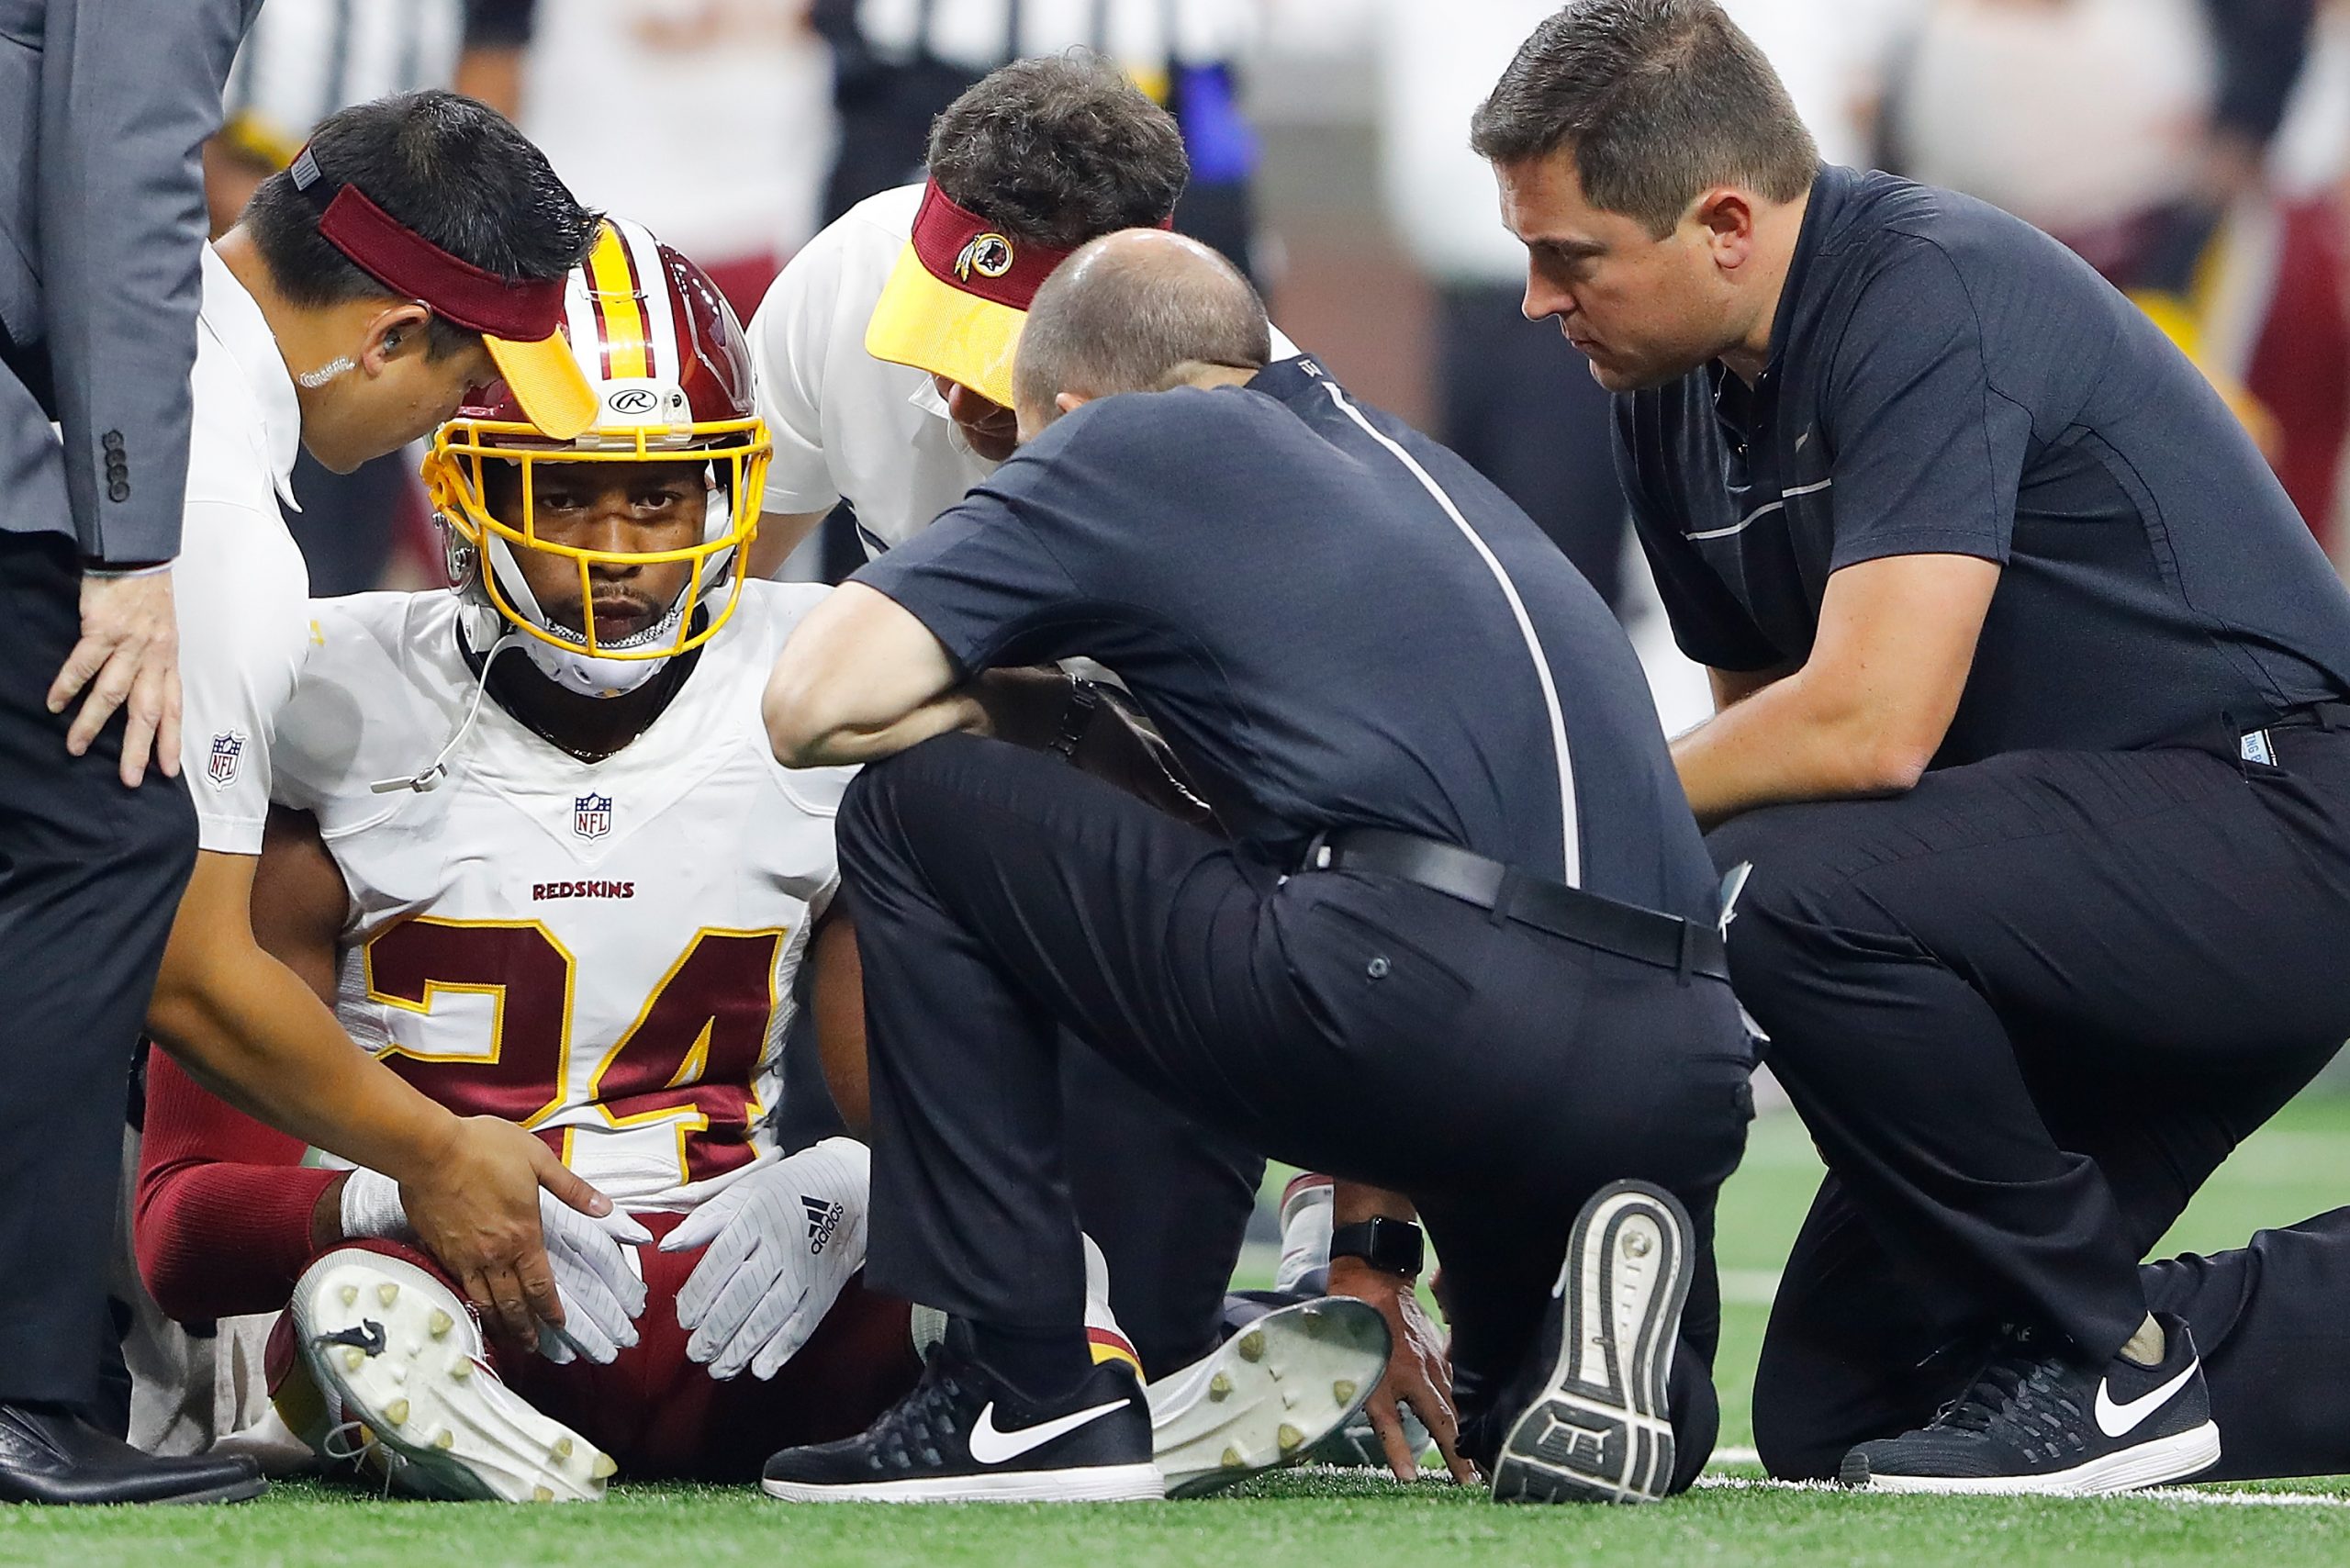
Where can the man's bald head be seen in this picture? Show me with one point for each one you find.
(1133, 312)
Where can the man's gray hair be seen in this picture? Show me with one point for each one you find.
(1128, 311)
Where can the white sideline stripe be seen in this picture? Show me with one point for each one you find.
(1567, 823)
(2153, 1494)
(1763, 510)
(1750, 1287)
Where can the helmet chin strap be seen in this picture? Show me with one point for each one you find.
(580, 672)
(574, 670)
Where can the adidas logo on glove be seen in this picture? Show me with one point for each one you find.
(823, 1219)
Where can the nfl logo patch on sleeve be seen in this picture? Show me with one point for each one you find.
(591, 815)
(228, 755)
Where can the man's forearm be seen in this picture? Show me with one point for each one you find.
(1030, 707)
(247, 1029)
(849, 744)
(1781, 744)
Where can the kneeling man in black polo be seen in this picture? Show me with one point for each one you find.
(1457, 944)
(2032, 732)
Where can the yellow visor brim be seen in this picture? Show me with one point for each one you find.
(548, 383)
(936, 327)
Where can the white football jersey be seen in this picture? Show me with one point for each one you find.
(600, 951)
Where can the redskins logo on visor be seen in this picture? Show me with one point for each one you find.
(989, 256)
(671, 376)
(958, 295)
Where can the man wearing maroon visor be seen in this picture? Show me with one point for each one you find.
(884, 359)
(417, 247)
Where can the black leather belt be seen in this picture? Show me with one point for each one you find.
(2312, 716)
(1644, 935)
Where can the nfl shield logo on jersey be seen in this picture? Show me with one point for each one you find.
(228, 756)
(591, 816)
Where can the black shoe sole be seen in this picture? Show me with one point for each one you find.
(236, 1492)
(1598, 1430)
(228, 1492)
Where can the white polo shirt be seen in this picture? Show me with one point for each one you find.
(843, 423)
(240, 584)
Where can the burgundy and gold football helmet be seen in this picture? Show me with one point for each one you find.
(672, 377)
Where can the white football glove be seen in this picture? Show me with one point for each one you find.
(601, 1293)
(781, 1242)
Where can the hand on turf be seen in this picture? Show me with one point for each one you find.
(1417, 1373)
(781, 1243)
(475, 1208)
(128, 657)
(601, 1294)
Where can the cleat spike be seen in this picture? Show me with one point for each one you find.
(1343, 1391)
(1220, 1386)
(460, 1371)
(387, 1293)
(396, 1412)
(1289, 1399)
(1252, 1346)
(1290, 1438)
(542, 1494)
(444, 1438)
(605, 1468)
(350, 1295)
(1233, 1460)
(562, 1449)
(353, 1357)
(438, 1324)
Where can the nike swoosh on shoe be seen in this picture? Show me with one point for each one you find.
(991, 1444)
(2120, 1420)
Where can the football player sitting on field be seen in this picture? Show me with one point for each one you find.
(534, 850)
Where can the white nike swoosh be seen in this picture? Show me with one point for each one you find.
(2120, 1420)
(991, 1445)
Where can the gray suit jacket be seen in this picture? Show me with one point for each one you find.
(104, 107)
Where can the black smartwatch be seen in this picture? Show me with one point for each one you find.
(1391, 1246)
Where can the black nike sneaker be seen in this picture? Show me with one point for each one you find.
(2038, 1420)
(1595, 1429)
(964, 1435)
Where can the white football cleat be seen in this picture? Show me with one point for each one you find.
(1267, 1396)
(400, 1353)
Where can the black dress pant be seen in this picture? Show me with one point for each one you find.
(1165, 1197)
(1351, 1024)
(2025, 1010)
(89, 877)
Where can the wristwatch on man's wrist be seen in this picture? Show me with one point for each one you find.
(1391, 1246)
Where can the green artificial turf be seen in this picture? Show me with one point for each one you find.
(2298, 1167)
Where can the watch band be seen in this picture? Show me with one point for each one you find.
(1077, 717)
(1393, 1245)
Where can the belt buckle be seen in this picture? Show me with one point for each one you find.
(1318, 853)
